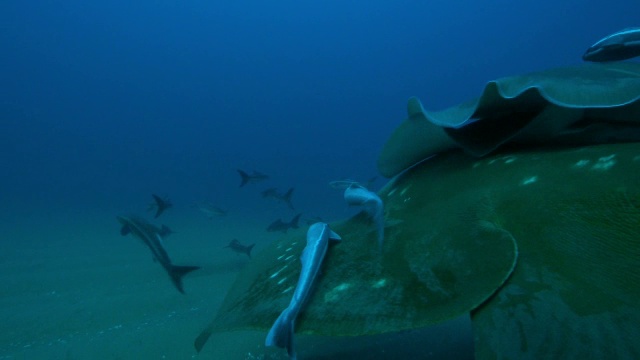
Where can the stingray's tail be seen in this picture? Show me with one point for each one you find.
(281, 333)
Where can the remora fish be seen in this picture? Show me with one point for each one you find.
(279, 225)
(357, 194)
(621, 45)
(273, 193)
(282, 331)
(160, 204)
(251, 178)
(150, 236)
(211, 210)
(238, 248)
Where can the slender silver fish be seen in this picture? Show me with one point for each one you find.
(357, 194)
(282, 331)
(621, 45)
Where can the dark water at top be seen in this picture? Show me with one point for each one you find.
(103, 103)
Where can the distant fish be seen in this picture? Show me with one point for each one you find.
(279, 225)
(211, 210)
(150, 236)
(282, 332)
(357, 194)
(238, 248)
(274, 194)
(251, 178)
(160, 205)
(621, 45)
(163, 230)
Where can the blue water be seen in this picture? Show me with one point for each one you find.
(109, 101)
(103, 103)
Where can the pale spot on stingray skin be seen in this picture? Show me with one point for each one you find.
(379, 284)
(581, 163)
(289, 249)
(282, 280)
(288, 257)
(509, 159)
(403, 191)
(334, 294)
(605, 163)
(287, 289)
(529, 180)
(280, 257)
(392, 191)
(278, 272)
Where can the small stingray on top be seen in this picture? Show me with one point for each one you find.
(159, 204)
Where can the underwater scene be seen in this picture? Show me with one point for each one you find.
(320, 180)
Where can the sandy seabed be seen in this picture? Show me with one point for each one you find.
(74, 288)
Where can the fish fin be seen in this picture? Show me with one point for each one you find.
(281, 333)
(294, 221)
(177, 272)
(249, 248)
(244, 176)
(203, 337)
(161, 205)
(333, 236)
(125, 230)
(287, 198)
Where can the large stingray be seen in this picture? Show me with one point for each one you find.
(541, 247)
(586, 104)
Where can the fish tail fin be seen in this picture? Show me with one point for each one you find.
(249, 248)
(281, 333)
(244, 176)
(177, 272)
(295, 220)
(287, 197)
(161, 205)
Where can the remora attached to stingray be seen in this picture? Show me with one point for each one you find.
(580, 105)
(282, 332)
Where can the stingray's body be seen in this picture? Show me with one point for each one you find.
(527, 218)
(541, 247)
(580, 105)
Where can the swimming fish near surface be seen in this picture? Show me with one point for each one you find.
(282, 332)
(621, 45)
